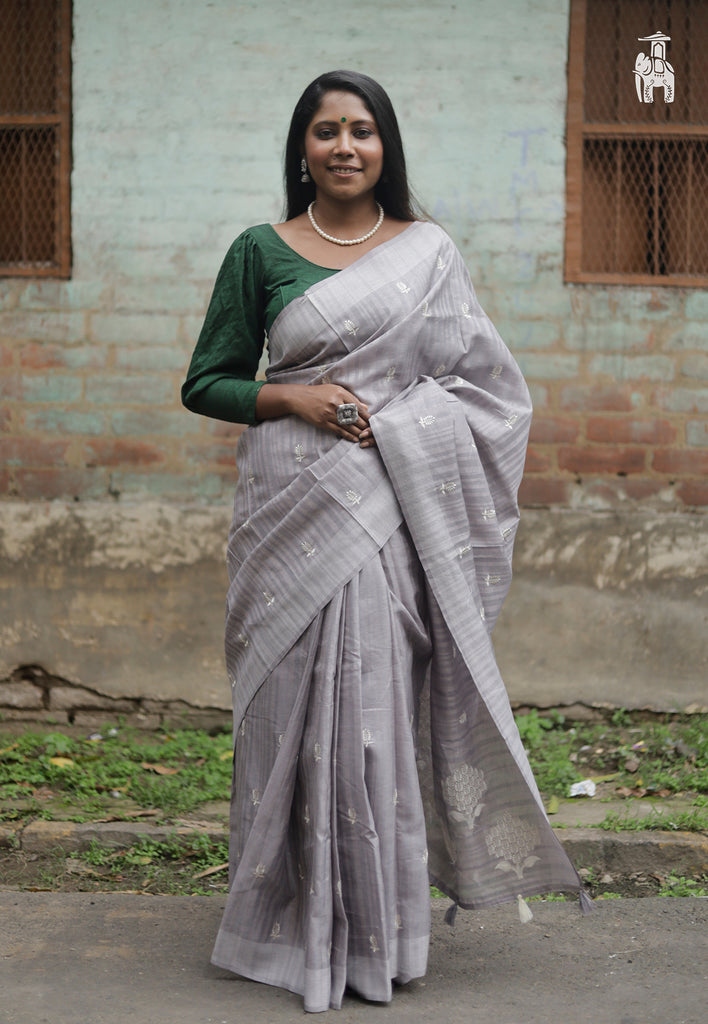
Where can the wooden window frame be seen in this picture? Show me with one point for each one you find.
(578, 130)
(60, 119)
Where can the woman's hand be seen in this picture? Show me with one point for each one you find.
(316, 404)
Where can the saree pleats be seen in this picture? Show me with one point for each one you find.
(329, 878)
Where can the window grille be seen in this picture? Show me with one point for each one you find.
(35, 142)
(637, 173)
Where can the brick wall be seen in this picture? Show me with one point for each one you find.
(178, 135)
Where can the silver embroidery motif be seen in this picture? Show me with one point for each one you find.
(353, 498)
(307, 548)
(269, 598)
(448, 487)
(425, 856)
(491, 580)
(367, 737)
(325, 379)
(397, 924)
(439, 370)
(275, 931)
(426, 311)
(505, 533)
(440, 265)
(256, 797)
(466, 311)
(463, 791)
(299, 453)
(426, 421)
(390, 374)
(306, 817)
(402, 287)
(351, 815)
(496, 372)
(489, 513)
(351, 327)
(511, 421)
(259, 871)
(459, 382)
(373, 944)
(242, 639)
(317, 751)
(512, 840)
(482, 614)
(242, 728)
(251, 478)
(464, 551)
(338, 887)
(395, 798)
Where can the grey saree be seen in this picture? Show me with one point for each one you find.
(375, 748)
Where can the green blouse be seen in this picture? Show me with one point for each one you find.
(260, 275)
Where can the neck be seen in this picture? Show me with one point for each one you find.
(350, 216)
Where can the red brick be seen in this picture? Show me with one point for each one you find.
(51, 484)
(596, 399)
(693, 492)
(602, 459)
(679, 462)
(215, 454)
(620, 430)
(11, 387)
(37, 356)
(553, 430)
(536, 462)
(120, 452)
(220, 428)
(32, 451)
(542, 491)
(640, 488)
(6, 355)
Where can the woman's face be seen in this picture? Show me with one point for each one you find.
(343, 148)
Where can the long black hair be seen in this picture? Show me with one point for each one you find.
(392, 189)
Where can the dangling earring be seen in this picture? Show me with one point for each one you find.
(303, 167)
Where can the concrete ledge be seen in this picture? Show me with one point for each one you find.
(127, 601)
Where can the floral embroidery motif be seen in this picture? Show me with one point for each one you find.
(448, 487)
(275, 931)
(351, 815)
(269, 599)
(402, 287)
(390, 374)
(425, 856)
(512, 840)
(242, 728)
(465, 550)
(256, 797)
(505, 533)
(306, 817)
(367, 738)
(489, 513)
(466, 311)
(397, 924)
(353, 498)
(458, 382)
(317, 751)
(426, 421)
(491, 580)
(300, 872)
(509, 423)
(373, 944)
(395, 798)
(426, 311)
(242, 639)
(440, 265)
(280, 738)
(259, 871)
(496, 372)
(299, 452)
(463, 718)
(307, 548)
(439, 370)
(463, 791)
(338, 887)
(482, 614)
(251, 478)
(325, 379)
(351, 327)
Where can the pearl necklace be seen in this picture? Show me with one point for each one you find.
(345, 241)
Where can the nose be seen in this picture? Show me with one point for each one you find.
(343, 142)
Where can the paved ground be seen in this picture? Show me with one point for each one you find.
(105, 959)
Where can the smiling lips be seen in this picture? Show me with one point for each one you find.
(337, 169)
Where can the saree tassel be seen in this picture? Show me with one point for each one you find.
(586, 903)
(451, 914)
(525, 914)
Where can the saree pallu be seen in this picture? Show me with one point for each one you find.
(375, 747)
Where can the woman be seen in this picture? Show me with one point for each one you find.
(369, 556)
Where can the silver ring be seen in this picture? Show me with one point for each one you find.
(347, 413)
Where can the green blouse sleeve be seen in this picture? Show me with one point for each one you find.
(220, 380)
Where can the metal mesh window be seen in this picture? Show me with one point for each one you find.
(35, 143)
(637, 181)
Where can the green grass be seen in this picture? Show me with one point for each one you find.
(661, 756)
(171, 773)
(694, 820)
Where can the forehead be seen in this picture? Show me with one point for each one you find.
(338, 104)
